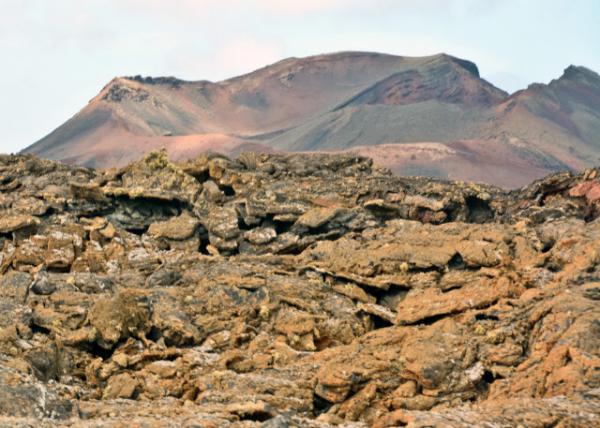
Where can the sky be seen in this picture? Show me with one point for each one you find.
(55, 55)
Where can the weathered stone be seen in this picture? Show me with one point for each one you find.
(11, 223)
(294, 290)
(260, 235)
(125, 315)
(32, 206)
(212, 191)
(120, 386)
(14, 286)
(164, 277)
(588, 189)
(317, 217)
(178, 228)
(223, 223)
(61, 250)
(42, 285)
(23, 397)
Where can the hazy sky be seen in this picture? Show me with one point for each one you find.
(57, 54)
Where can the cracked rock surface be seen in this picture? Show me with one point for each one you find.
(295, 290)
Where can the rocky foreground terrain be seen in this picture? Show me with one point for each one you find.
(295, 290)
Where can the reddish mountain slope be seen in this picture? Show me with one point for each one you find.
(343, 101)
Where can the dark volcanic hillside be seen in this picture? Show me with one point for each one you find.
(456, 124)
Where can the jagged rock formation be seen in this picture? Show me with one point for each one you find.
(295, 290)
(432, 116)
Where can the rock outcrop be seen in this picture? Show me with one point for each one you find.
(295, 290)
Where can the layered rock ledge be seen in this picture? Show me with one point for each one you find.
(295, 290)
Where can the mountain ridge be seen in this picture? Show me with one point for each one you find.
(339, 101)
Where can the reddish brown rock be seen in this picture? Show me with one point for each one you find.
(295, 291)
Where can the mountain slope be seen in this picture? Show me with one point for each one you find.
(340, 102)
(561, 118)
(278, 96)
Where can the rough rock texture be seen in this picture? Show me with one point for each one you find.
(296, 290)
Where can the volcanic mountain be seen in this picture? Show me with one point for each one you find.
(429, 115)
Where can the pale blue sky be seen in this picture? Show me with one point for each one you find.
(57, 54)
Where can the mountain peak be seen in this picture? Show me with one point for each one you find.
(163, 80)
(122, 88)
(469, 66)
(580, 74)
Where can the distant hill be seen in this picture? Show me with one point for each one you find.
(430, 115)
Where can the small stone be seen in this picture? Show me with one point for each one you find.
(317, 217)
(121, 386)
(11, 223)
(260, 235)
(178, 228)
